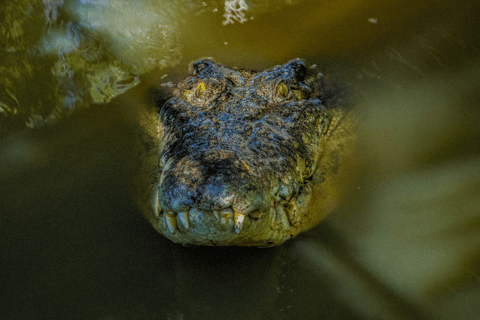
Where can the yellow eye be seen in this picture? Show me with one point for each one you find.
(200, 89)
(282, 89)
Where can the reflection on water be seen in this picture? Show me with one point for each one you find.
(80, 52)
(403, 245)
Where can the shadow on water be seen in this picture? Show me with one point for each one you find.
(74, 246)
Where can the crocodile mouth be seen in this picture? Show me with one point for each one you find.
(228, 226)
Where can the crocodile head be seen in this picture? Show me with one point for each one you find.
(240, 157)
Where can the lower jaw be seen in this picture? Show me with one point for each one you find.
(266, 231)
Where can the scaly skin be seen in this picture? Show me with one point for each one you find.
(244, 158)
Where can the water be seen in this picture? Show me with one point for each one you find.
(403, 244)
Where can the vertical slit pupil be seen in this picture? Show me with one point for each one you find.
(200, 89)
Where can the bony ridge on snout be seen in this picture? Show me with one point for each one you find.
(245, 158)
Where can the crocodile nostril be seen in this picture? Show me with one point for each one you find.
(217, 193)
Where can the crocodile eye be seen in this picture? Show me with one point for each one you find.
(282, 89)
(200, 89)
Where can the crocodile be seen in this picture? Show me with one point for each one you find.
(246, 158)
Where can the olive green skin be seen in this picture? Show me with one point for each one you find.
(244, 158)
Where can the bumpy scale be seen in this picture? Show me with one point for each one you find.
(244, 158)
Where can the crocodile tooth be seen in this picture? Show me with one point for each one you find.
(292, 214)
(157, 209)
(281, 218)
(225, 215)
(215, 213)
(238, 218)
(171, 222)
(183, 216)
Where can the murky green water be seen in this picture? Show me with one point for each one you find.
(404, 244)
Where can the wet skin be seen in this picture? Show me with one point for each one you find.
(244, 158)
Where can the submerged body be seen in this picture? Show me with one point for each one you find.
(244, 158)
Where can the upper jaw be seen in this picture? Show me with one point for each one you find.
(228, 226)
(258, 207)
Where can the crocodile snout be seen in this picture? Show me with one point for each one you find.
(211, 191)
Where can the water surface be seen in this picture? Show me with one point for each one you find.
(403, 244)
